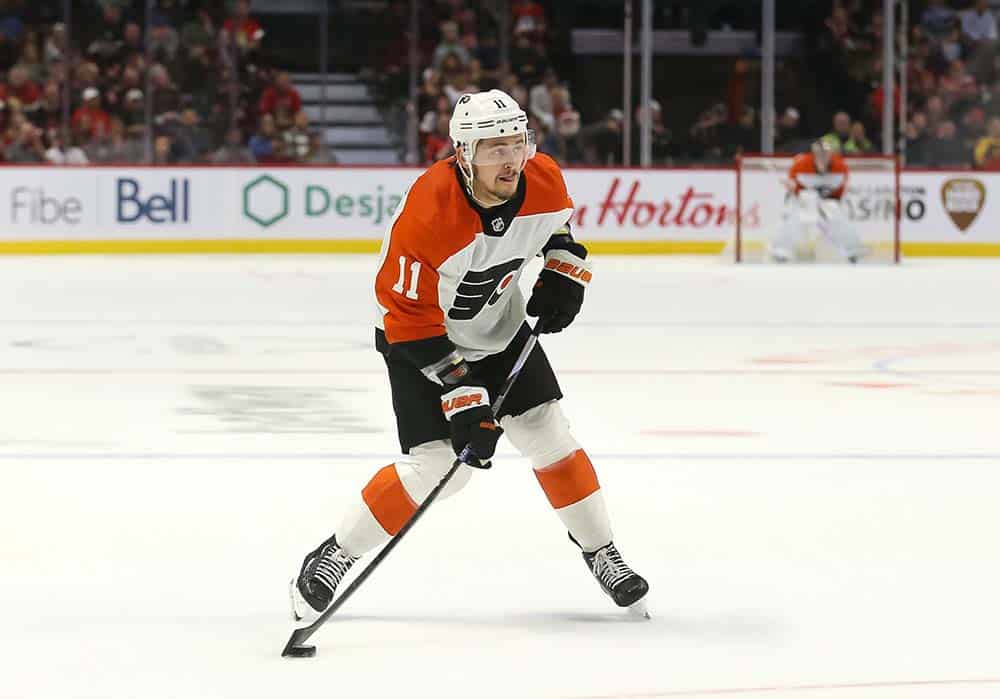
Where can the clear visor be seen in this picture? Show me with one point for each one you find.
(515, 154)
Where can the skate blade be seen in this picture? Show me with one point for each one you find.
(639, 611)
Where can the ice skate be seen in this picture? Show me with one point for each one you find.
(622, 584)
(322, 570)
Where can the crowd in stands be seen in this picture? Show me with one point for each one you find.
(952, 113)
(462, 54)
(192, 90)
(195, 87)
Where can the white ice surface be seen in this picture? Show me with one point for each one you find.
(804, 461)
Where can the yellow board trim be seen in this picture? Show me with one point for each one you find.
(951, 249)
(172, 247)
(360, 245)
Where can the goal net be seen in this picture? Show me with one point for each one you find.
(869, 207)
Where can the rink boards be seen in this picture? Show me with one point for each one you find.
(347, 209)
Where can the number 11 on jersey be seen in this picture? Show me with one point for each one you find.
(411, 293)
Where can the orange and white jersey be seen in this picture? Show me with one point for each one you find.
(450, 267)
(804, 175)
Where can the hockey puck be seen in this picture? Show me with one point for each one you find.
(299, 652)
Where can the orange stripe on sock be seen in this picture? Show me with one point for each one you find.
(388, 500)
(569, 480)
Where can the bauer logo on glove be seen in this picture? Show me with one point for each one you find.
(558, 294)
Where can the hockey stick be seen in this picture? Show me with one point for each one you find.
(294, 647)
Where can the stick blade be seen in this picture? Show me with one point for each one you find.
(294, 647)
(298, 652)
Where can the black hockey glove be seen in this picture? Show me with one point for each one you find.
(558, 293)
(466, 405)
(467, 408)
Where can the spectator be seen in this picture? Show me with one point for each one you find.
(950, 48)
(199, 31)
(115, 95)
(106, 35)
(10, 51)
(987, 153)
(166, 97)
(319, 152)
(540, 96)
(788, 136)
(24, 142)
(31, 63)
(441, 111)
(937, 19)
(133, 114)
(450, 45)
(132, 46)
(451, 67)
(488, 54)
(744, 136)
(458, 86)
(262, 143)
(529, 18)
(55, 45)
(841, 133)
(936, 113)
(19, 86)
(245, 31)
(601, 142)
(858, 143)
(297, 138)
(429, 91)
(946, 149)
(526, 59)
(163, 41)
(163, 151)
(958, 88)
(48, 113)
(115, 147)
(89, 118)
(57, 155)
(233, 152)
(706, 133)
(438, 145)
(917, 140)
(190, 140)
(281, 95)
(978, 22)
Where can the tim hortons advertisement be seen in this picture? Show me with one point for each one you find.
(684, 210)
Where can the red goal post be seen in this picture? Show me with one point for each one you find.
(871, 204)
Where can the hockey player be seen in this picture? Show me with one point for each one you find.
(816, 183)
(450, 322)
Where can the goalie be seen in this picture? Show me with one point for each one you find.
(816, 182)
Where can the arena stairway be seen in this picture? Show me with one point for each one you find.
(353, 128)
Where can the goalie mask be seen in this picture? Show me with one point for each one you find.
(484, 115)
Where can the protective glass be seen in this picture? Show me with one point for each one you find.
(500, 154)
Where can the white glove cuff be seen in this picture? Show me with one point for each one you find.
(569, 265)
(463, 398)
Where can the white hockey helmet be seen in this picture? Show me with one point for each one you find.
(482, 115)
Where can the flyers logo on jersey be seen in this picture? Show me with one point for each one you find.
(568, 269)
(477, 288)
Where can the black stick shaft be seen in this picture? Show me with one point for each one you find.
(301, 635)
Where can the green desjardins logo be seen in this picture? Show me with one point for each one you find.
(267, 200)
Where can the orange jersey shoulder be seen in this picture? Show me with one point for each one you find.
(545, 190)
(436, 217)
(804, 165)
